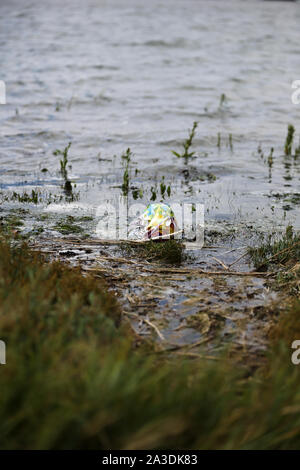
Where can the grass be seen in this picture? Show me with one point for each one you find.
(283, 250)
(169, 251)
(281, 255)
(77, 378)
(10, 222)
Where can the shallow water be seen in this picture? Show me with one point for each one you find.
(125, 74)
(111, 75)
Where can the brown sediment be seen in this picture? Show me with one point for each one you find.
(158, 298)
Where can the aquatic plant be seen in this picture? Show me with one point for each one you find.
(37, 197)
(33, 197)
(67, 226)
(153, 193)
(64, 160)
(208, 176)
(289, 140)
(126, 158)
(223, 100)
(163, 187)
(230, 142)
(63, 167)
(270, 158)
(137, 193)
(186, 154)
(297, 150)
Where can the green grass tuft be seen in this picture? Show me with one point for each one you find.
(169, 251)
(284, 250)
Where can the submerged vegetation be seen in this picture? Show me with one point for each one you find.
(67, 226)
(289, 140)
(223, 101)
(288, 147)
(83, 380)
(230, 141)
(39, 197)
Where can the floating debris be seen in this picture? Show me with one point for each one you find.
(158, 222)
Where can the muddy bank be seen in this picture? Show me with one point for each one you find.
(199, 304)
